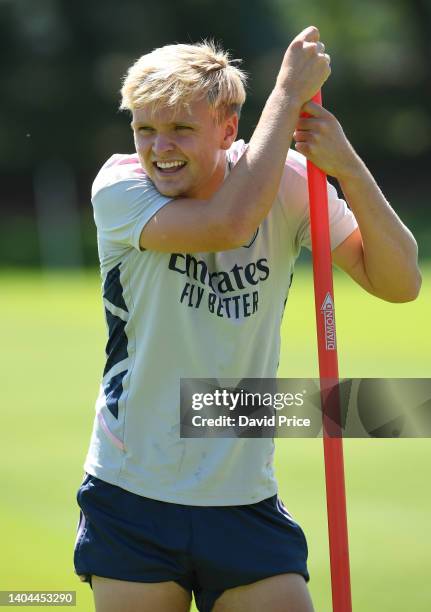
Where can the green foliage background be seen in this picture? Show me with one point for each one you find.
(62, 63)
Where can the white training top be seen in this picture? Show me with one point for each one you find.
(200, 315)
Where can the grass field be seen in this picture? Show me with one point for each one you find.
(53, 340)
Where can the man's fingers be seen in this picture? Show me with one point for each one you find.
(313, 109)
(317, 48)
(300, 135)
(310, 34)
(309, 123)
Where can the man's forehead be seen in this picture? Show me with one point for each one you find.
(191, 112)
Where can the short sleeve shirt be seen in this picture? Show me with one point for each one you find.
(190, 315)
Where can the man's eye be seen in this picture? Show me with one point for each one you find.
(145, 128)
(183, 127)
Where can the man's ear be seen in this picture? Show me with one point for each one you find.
(230, 131)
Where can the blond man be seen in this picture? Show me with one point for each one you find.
(198, 234)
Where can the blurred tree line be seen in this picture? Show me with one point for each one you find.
(62, 63)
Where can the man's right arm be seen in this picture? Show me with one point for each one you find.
(227, 219)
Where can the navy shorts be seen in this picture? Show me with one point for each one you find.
(205, 549)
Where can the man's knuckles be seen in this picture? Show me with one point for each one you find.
(311, 34)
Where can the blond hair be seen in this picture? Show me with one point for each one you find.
(174, 74)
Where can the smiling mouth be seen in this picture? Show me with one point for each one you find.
(169, 167)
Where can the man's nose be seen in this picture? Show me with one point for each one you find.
(162, 144)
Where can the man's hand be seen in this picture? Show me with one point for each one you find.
(381, 255)
(322, 140)
(305, 66)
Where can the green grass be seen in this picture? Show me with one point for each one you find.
(52, 330)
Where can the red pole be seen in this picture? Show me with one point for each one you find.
(328, 369)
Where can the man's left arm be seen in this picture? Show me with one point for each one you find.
(381, 255)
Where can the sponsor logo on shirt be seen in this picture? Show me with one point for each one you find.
(218, 285)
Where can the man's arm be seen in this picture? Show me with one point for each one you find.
(230, 217)
(381, 255)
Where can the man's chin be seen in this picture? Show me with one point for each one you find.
(170, 191)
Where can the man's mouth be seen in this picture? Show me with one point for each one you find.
(169, 167)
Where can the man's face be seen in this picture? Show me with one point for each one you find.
(193, 139)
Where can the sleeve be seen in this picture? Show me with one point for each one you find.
(123, 208)
(294, 200)
(342, 221)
